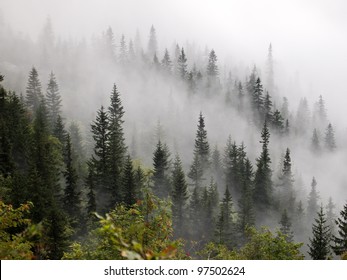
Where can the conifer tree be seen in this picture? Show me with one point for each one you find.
(116, 148)
(161, 164)
(257, 99)
(166, 62)
(91, 196)
(225, 224)
(267, 108)
(71, 194)
(212, 68)
(340, 240)
(231, 167)
(123, 52)
(34, 94)
(59, 130)
(179, 197)
(182, 65)
(312, 203)
(329, 140)
(319, 247)
(195, 214)
(277, 122)
(216, 165)
(129, 187)
(270, 71)
(286, 183)
(246, 215)
(331, 216)
(262, 180)
(101, 136)
(152, 43)
(201, 157)
(286, 226)
(315, 145)
(53, 100)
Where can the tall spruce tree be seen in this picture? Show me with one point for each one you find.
(231, 167)
(257, 99)
(34, 95)
(129, 186)
(319, 247)
(201, 157)
(99, 160)
(116, 148)
(179, 197)
(329, 140)
(161, 165)
(286, 226)
(286, 183)
(182, 65)
(312, 202)
(72, 198)
(315, 145)
(225, 229)
(262, 181)
(166, 62)
(53, 100)
(340, 240)
(212, 68)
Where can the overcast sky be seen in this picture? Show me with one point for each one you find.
(308, 36)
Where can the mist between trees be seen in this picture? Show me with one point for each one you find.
(113, 148)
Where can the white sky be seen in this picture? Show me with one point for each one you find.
(308, 36)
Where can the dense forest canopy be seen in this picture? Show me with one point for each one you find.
(117, 146)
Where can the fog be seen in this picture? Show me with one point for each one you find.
(309, 50)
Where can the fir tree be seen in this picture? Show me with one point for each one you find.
(59, 130)
(195, 214)
(270, 71)
(71, 194)
(123, 52)
(201, 160)
(258, 99)
(166, 62)
(246, 215)
(320, 243)
(231, 167)
(225, 224)
(179, 197)
(286, 226)
(286, 183)
(130, 191)
(262, 180)
(340, 240)
(53, 100)
(212, 68)
(34, 94)
(267, 108)
(315, 145)
(312, 203)
(329, 140)
(182, 65)
(101, 135)
(116, 147)
(161, 163)
(277, 122)
(152, 43)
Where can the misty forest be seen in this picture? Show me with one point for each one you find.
(112, 147)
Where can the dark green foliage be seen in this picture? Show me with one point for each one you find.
(267, 108)
(246, 215)
(262, 180)
(34, 94)
(129, 187)
(287, 198)
(116, 148)
(53, 100)
(225, 228)
(59, 130)
(286, 226)
(329, 139)
(90, 184)
(195, 215)
(340, 240)
(99, 159)
(258, 99)
(161, 165)
(201, 158)
(71, 194)
(320, 243)
(232, 167)
(179, 197)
